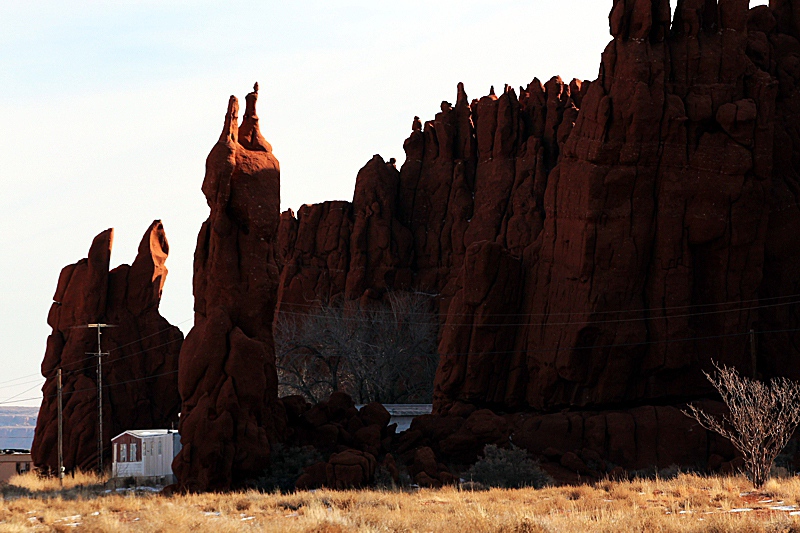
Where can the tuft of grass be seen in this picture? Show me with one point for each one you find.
(33, 482)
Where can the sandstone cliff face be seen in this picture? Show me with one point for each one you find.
(227, 381)
(476, 172)
(773, 46)
(651, 212)
(656, 212)
(343, 248)
(140, 370)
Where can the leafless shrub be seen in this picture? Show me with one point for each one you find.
(761, 421)
(385, 353)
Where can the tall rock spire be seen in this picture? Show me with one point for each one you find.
(228, 382)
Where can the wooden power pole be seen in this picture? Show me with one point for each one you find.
(60, 435)
(100, 355)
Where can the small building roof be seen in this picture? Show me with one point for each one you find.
(143, 433)
(15, 451)
(406, 409)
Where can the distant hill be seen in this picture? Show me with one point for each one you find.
(16, 427)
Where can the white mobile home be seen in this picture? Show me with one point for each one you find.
(145, 453)
(403, 413)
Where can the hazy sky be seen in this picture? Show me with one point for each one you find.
(108, 110)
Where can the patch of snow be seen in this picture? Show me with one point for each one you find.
(782, 507)
(740, 510)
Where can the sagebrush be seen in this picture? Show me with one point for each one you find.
(507, 468)
(286, 465)
(762, 419)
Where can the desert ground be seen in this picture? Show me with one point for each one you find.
(687, 503)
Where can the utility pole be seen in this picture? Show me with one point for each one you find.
(60, 435)
(100, 355)
(753, 362)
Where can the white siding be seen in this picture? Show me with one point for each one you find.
(128, 469)
(157, 464)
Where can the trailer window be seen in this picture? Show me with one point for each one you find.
(123, 455)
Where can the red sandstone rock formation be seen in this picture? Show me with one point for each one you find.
(592, 244)
(140, 370)
(774, 47)
(476, 172)
(343, 248)
(656, 212)
(479, 330)
(228, 385)
(350, 439)
(652, 214)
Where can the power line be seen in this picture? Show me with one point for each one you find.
(20, 377)
(106, 386)
(433, 315)
(78, 370)
(504, 352)
(319, 303)
(23, 383)
(140, 339)
(126, 356)
(311, 315)
(20, 394)
(566, 349)
(546, 324)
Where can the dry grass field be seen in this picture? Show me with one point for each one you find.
(685, 504)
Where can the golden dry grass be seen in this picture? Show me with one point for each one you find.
(32, 482)
(687, 504)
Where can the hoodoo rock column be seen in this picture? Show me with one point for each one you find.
(140, 370)
(227, 379)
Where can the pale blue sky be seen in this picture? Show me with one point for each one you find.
(110, 108)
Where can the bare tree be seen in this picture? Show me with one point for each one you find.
(384, 353)
(761, 420)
